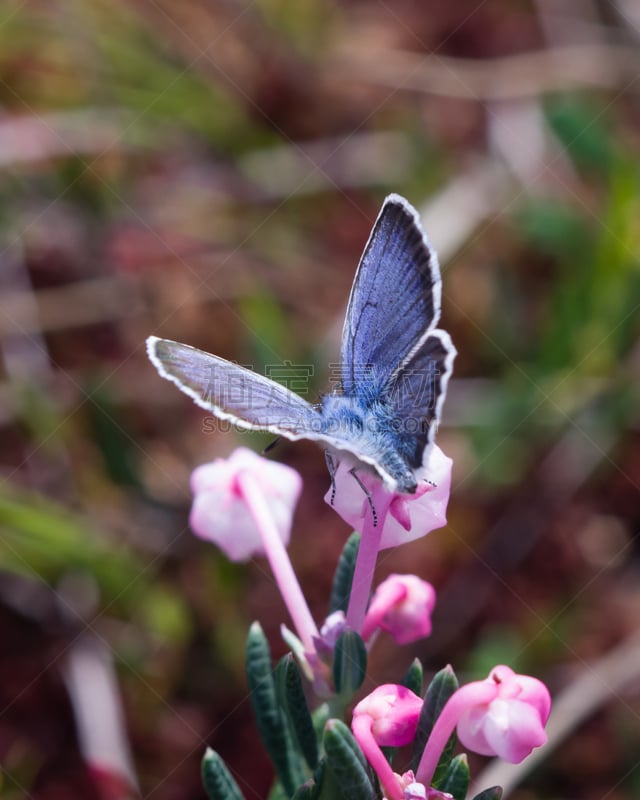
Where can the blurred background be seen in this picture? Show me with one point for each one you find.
(209, 171)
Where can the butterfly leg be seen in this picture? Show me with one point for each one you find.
(271, 445)
(374, 513)
(332, 467)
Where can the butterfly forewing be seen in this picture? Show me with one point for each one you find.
(233, 392)
(395, 296)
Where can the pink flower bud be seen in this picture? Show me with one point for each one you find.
(386, 717)
(394, 711)
(220, 513)
(410, 515)
(401, 605)
(512, 723)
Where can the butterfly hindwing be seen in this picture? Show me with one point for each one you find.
(416, 392)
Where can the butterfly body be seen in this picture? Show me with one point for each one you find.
(367, 423)
(395, 364)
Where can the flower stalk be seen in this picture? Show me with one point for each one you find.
(366, 562)
(279, 561)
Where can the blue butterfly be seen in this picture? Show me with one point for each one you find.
(395, 364)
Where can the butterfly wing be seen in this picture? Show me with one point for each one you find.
(395, 296)
(415, 394)
(234, 393)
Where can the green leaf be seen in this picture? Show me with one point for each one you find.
(341, 589)
(277, 792)
(326, 781)
(457, 778)
(218, 781)
(308, 791)
(294, 703)
(349, 663)
(443, 685)
(413, 677)
(346, 763)
(269, 716)
(494, 793)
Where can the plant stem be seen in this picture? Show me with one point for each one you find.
(279, 560)
(366, 561)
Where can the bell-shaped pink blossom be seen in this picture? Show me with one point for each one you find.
(245, 504)
(386, 717)
(219, 512)
(401, 605)
(503, 716)
(512, 723)
(410, 515)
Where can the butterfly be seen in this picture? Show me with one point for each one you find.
(394, 364)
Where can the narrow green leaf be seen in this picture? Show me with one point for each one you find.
(349, 663)
(218, 781)
(293, 701)
(457, 778)
(494, 793)
(326, 781)
(343, 577)
(320, 715)
(347, 763)
(413, 677)
(269, 716)
(443, 685)
(308, 791)
(277, 792)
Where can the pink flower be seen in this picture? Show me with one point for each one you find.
(410, 515)
(393, 711)
(220, 513)
(386, 717)
(401, 605)
(503, 715)
(245, 504)
(512, 723)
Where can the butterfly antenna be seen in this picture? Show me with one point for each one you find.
(271, 445)
(353, 472)
(331, 466)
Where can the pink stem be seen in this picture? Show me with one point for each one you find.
(470, 695)
(366, 561)
(279, 560)
(361, 726)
